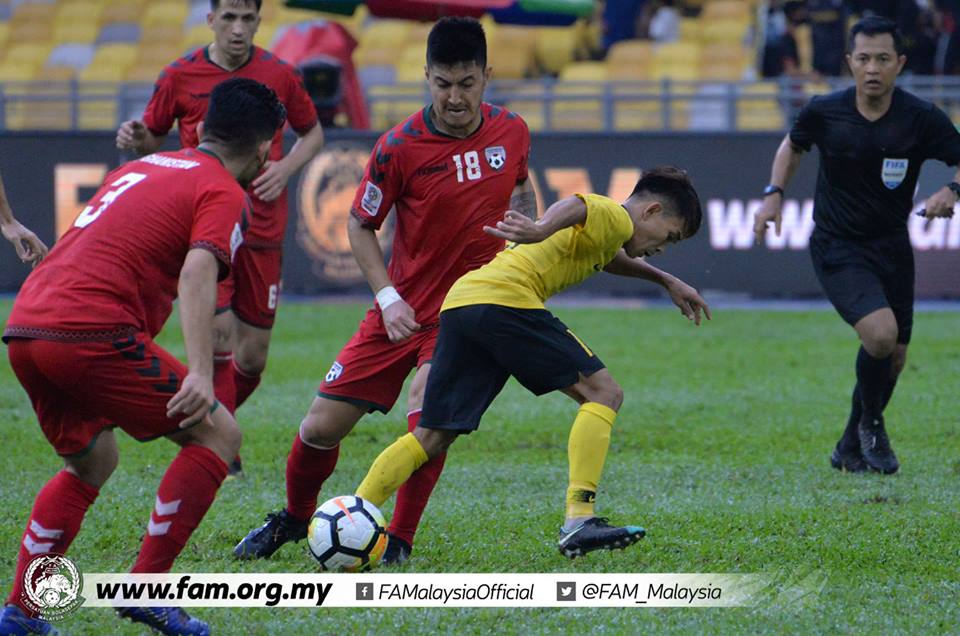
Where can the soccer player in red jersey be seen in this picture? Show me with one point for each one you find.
(29, 248)
(448, 170)
(247, 302)
(80, 339)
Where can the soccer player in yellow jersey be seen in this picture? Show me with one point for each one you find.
(493, 324)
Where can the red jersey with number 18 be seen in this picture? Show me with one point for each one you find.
(118, 267)
(444, 190)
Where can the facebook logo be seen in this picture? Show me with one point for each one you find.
(364, 591)
(566, 591)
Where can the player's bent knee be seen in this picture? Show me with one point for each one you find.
(880, 343)
(601, 388)
(323, 432)
(434, 441)
(96, 466)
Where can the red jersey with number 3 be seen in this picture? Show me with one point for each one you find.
(182, 93)
(444, 190)
(119, 265)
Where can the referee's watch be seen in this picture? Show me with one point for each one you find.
(955, 188)
(772, 189)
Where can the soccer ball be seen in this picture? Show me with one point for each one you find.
(347, 533)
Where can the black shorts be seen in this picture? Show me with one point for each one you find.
(862, 276)
(480, 346)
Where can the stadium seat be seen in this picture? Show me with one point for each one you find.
(724, 62)
(34, 55)
(734, 31)
(32, 32)
(160, 34)
(630, 60)
(758, 108)
(725, 10)
(267, 34)
(510, 52)
(414, 55)
(79, 33)
(122, 11)
(110, 62)
(45, 104)
(676, 60)
(26, 12)
(76, 56)
(78, 12)
(389, 105)
(804, 40)
(578, 97)
(17, 71)
(638, 106)
(199, 35)
(4, 36)
(555, 48)
(164, 13)
(197, 14)
(690, 29)
(387, 34)
(373, 55)
(156, 57)
(527, 100)
(119, 32)
(5, 11)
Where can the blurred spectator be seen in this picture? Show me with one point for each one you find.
(665, 22)
(828, 29)
(620, 20)
(922, 41)
(780, 54)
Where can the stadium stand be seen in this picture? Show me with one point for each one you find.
(89, 52)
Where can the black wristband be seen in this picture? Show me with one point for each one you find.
(772, 189)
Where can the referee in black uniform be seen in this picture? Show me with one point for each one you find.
(872, 139)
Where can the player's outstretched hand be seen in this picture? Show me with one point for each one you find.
(688, 300)
(194, 399)
(131, 134)
(399, 320)
(271, 182)
(940, 204)
(517, 227)
(769, 211)
(29, 248)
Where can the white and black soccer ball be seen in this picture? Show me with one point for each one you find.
(347, 533)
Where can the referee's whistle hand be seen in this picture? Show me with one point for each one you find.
(769, 211)
(399, 320)
(940, 204)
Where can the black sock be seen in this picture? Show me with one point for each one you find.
(873, 378)
(850, 437)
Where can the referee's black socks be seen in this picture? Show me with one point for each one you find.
(873, 379)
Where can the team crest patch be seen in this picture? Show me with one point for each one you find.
(894, 171)
(496, 156)
(334, 372)
(372, 198)
(236, 240)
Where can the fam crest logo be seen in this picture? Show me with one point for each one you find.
(327, 190)
(51, 586)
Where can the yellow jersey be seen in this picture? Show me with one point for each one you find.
(524, 276)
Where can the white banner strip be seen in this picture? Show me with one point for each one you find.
(425, 590)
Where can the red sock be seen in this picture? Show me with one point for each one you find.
(223, 385)
(244, 384)
(307, 468)
(185, 494)
(55, 520)
(413, 495)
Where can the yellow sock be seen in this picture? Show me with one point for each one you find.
(587, 449)
(393, 467)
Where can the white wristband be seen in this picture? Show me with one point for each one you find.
(387, 296)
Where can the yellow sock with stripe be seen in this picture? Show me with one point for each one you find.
(393, 467)
(587, 450)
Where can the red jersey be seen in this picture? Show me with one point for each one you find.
(116, 270)
(444, 189)
(182, 93)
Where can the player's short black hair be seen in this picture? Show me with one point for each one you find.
(242, 114)
(456, 40)
(672, 187)
(215, 4)
(876, 25)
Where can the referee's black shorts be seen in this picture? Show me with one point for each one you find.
(480, 346)
(862, 276)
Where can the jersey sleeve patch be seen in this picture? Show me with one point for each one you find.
(372, 199)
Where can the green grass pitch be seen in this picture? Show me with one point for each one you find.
(720, 451)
